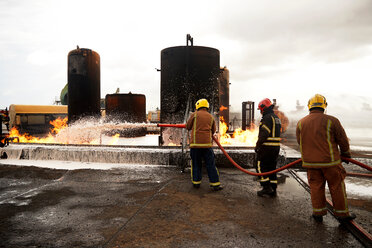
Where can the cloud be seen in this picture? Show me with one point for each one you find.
(272, 33)
(278, 49)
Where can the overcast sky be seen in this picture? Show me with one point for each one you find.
(283, 49)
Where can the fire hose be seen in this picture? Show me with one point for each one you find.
(273, 171)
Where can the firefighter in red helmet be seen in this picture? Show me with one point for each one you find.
(267, 147)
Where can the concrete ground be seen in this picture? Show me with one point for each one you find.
(156, 206)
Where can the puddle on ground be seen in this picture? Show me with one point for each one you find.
(291, 186)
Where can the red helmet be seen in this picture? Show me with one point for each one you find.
(265, 103)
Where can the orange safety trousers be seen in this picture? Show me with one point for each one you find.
(334, 176)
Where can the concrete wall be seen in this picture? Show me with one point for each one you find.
(245, 157)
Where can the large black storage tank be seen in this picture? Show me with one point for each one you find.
(188, 73)
(224, 87)
(127, 108)
(84, 89)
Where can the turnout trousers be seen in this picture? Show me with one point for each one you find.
(197, 156)
(334, 176)
(266, 161)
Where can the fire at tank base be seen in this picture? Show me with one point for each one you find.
(86, 140)
(139, 150)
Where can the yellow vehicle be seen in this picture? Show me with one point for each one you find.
(35, 119)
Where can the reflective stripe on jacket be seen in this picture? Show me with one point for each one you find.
(319, 136)
(202, 126)
(269, 130)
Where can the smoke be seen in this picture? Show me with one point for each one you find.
(354, 113)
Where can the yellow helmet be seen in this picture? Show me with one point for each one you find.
(317, 101)
(202, 103)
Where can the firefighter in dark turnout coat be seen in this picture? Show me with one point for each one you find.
(322, 141)
(267, 147)
(202, 126)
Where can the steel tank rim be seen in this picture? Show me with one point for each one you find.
(81, 51)
(126, 94)
(190, 47)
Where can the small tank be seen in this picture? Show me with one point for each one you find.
(126, 108)
(84, 89)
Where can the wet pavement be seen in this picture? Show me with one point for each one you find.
(156, 206)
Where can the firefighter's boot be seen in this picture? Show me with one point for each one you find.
(317, 218)
(266, 191)
(347, 218)
(273, 186)
(217, 188)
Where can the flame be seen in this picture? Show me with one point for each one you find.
(283, 119)
(224, 137)
(222, 108)
(239, 137)
(26, 138)
(114, 139)
(58, 124)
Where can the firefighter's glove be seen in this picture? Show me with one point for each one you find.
(345, 161)
(346, 155)
(256, 149)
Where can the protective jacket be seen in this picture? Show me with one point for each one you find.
(203, 126)
(319, 136)
(269, 130)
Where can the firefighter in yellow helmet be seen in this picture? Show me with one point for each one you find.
(202, 126)
(322, 140)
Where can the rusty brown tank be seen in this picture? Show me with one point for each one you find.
(84, 85)
(127, 108)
